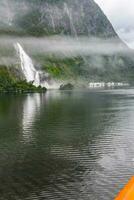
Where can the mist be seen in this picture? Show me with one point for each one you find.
(67, 46)
(60, 47)
(8, 11)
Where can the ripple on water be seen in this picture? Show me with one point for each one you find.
(66, 145)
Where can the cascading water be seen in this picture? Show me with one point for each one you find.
(30, 72)
(28, 69)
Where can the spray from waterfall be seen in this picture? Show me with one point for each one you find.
(31, 74)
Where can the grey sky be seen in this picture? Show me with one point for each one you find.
(121, 15)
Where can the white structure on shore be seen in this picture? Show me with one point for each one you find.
(96, 84)
(106, 84)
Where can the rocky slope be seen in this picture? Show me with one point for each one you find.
(49, 17)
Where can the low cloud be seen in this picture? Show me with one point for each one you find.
(61, 47)
(68, 46)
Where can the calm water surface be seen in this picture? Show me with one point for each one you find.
(66, 145)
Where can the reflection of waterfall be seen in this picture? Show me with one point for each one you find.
(33, 75)
(30, 73)
(31, 108)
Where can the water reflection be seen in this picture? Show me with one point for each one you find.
(32, 105)
(31, 108)
(66, 145)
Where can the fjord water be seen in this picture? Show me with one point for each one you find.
(71, 145)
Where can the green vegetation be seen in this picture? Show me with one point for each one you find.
(62, 68)
(10, 84)
(115, 68)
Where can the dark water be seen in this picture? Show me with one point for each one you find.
(66, 145)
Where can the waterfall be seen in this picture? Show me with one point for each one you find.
(28, 69)
(33, 75)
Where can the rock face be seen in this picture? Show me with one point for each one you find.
(49, 17)
(74, 17)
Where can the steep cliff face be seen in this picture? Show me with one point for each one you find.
(74, 18)
(69, 17)
(49, 17)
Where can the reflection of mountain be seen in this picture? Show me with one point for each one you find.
(47, 148)
(72, 145)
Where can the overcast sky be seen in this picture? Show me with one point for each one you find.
(121, 15)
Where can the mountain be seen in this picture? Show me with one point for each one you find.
(74, 18)
(50, 17)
